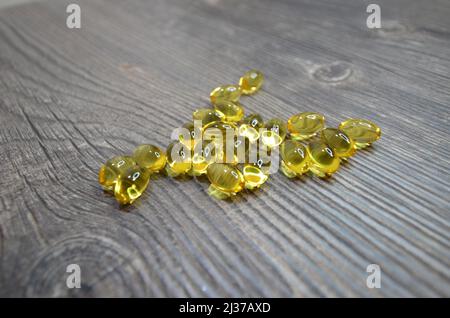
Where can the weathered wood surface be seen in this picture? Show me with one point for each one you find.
(70, 99)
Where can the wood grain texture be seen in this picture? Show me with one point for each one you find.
(71, 99)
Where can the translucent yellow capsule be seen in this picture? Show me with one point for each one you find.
(204, 154)
(275, 132)
(305, 125)
(323, 161)
(251, 82)
(362, 131)
(131, 184)
(343, 146)
(229, 111)
(254, 120)
(256, 172)
(109, 172)
(179, 159)
(206, 116)
(254, 177)
(250, 127)
(225, 179)
(230, 93)
(189, 135)
(150, 157)
(294, 158)
(219, 131)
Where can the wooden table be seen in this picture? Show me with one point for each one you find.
(72, 98)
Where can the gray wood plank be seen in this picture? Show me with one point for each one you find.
(71, 99)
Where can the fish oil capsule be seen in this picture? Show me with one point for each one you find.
(179, 159)
(206, 116)
(305, 125)
(109, 172)
(225, 179)
(189, 135)
(230, 93)
(150, 157)
(256, 172)
(250, 127)
(323, 161)
(275, 132)
(254, 120)
(219, 132)
(204, 154)
(131, 184)
(251, 82)
(294, 158)
(343, 146)
(229, 111)
(362, 131)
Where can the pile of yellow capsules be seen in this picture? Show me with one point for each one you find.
(238, 152)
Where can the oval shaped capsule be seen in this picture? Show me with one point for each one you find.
(275, 132)
(256, 170)
(229, 111)
(109, 172)
(250, 127)
(254, 177)
(131, 184)
(323, 161)
(305, 125)
(294, 157)
(150, 157)
(225, 179)
(225, 93)
(254, 120)
(343, 146)
(206, 116)
(362, 131)
(251, 82)
(179, 159)
(219, 132)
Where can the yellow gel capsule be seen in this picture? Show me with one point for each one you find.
(109, 172)
(150, 157)
(343, 146)
(131, 184)
(204, 155)
(362, 131)
(190, 135)
(219, 131)
(305, 125)
(254, 120)
(230, 93)
(251, 82)
(256, 171)
(275, 132)
(250, 127)
(229, 111)
(179, 159)
(225, 179)
(206, 116)
(323, 161)
(254, 177)
(294, 158)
